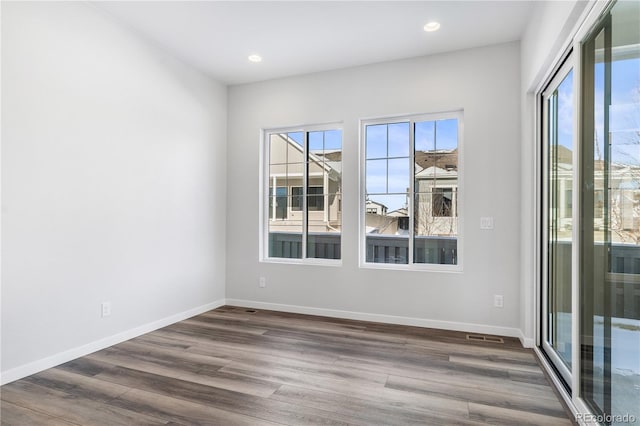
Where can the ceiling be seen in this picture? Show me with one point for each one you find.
(300, 37)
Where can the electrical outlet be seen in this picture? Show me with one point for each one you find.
(498, 301)
(105, 309)
(263, 282)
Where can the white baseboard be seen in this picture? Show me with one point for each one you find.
(71, 354)
(388, 319)
(527, 342)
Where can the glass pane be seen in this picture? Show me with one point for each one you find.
(316, 217)
(424, 138)
(278, 147)
(333, 203)
(295, 144)
(435, 192)
(324, 222)
(560, 140)
(297, 138)
(376, 176)
(317, 167)
(623, 282)
(425, 169)
(447, 134)
(323, 200)
(278, 175)
(399, 140)
(315, 199)
(333, 140)
(296, 198)
(398, 178)
(285, 232)
(610, 258)
(598, 258)
(442, 202)
(376, 141)
(436, 184)
(295, 174)
(278, 203)
(316, 143)
(436, 226)
(387, 229)
(323, 245)
(334, 171)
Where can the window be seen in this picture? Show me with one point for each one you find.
(303, 180)
(442, 202)
(297, 197)
(403, 223)
(568, 204)
(278, 203)
(558, 145)
(315, 198)
(412, 182)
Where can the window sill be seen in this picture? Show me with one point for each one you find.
(313, 262)
(417, 267)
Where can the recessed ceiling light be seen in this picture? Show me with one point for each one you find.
(432, 26)
(255, 58)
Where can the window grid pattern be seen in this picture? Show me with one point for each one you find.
(304, 190)
(411, 191)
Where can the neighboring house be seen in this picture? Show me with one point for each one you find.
(373, 207)
(437, 199)
(621, 200)
(402, 219)
(324, 187)
(436, 210)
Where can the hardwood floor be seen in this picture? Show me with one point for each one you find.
(231, 366)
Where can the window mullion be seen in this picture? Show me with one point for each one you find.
(411, 193)
(273, 199)
(387, 160)
(305, 182)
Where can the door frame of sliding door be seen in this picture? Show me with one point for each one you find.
(573, 44)
(567, 66)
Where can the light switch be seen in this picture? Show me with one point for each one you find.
(486, 222)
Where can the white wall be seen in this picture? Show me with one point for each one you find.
(545, 37)
(113, 185)
(544, 43)
(486, 83)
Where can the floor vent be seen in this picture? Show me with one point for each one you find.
(250, 311)
(482, 338)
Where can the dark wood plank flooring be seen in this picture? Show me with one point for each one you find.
(231, 366)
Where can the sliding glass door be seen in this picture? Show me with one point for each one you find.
(610, 216)
(558, 138)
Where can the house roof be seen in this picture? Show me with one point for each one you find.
(443, 158)
(437, 173)
(376, 203)
(401, 212)
(333, 168)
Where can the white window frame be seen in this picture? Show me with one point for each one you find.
(264, 196)
(412, 118)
